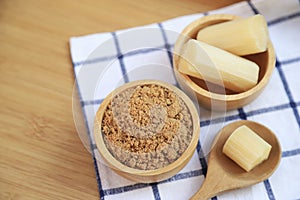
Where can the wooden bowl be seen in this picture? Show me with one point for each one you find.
(213, 99)
(146, 176)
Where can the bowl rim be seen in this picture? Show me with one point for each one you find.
(215, 96)
(113, 163)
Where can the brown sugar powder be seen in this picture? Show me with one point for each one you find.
(147, 127)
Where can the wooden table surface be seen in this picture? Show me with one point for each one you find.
(41, 155)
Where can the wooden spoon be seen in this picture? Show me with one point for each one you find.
(224, 174)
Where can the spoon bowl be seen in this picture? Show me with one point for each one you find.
(224, 174)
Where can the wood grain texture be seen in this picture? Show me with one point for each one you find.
(41, 154)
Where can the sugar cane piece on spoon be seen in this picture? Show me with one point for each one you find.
(246, 148)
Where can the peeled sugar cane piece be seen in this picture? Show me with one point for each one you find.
(246, 148)
(240, 36)
(215, 65)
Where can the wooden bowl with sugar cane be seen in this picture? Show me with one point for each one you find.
(225, 59)
(146, 130)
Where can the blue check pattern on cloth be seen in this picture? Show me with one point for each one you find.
(278, 107)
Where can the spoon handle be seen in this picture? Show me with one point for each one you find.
(216, 181)
(205, 191)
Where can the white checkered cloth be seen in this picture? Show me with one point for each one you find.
(145, 52)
